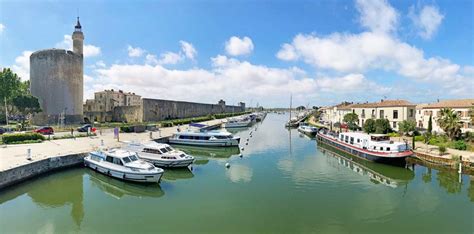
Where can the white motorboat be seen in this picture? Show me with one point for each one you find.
(205, 138)
(307, 129)
(161, 155)
(124, 165)
(238, 122)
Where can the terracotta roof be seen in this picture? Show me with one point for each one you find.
(383, 103)
(454, 103)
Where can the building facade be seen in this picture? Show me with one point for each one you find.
(395, 111)
(57, 81)
(459, 106)
(102, 107)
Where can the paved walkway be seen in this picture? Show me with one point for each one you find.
(15, 155)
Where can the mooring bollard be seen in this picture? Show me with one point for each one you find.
(28, 154)
(101, 142)
(151, 135)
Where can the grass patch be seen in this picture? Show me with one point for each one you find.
(15, 138)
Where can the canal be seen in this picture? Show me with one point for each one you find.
(283, 182)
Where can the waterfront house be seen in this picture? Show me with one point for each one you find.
(395, 111)
(460, 106)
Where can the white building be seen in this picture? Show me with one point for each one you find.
(395, 111)
(460, 106)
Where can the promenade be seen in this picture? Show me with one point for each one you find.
(13, 156)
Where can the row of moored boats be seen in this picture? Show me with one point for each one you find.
(143, 162)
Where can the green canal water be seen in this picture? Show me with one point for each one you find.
(284, 183)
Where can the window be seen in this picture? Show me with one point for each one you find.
(126, 160)
(117, 161)
(352, 140)
(381, 114)
(109, 159)
(358, 140)
(395, 114)
(411, 112)
(388, 148)
(394, 124)
(363, 113)
(347, 139)
(133, 158)
(381, 148)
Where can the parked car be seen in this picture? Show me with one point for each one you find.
(85, 127)
(46, 130)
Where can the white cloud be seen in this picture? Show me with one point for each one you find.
(427, 21)
(377, 15)
(88, 50)
(100, 63)
(188, 49)
(376, 50)
(352, 83)
(236, 46)
(170, 58)
(135, 52)
(22, 65)
(2, 27)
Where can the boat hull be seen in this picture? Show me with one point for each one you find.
(361, 153)
(169, 164)
(310, 133)
(213, 143)
(135, 177)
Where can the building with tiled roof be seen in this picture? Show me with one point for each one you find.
(395, 111)
(460, 106)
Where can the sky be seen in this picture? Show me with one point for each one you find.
(259, 52)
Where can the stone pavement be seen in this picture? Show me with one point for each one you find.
(12, 156)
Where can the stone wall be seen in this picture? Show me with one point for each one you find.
(158, 109)
(129, 114)
(21, 173)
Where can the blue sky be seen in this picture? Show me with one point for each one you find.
(323, 52)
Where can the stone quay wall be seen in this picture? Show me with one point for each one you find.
(24, 172)
(158, 109)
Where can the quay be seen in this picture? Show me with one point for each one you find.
(57, 154)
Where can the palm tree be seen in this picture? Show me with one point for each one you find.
(449, 121)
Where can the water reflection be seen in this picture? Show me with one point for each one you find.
(119, 189)
(388, 175)
(239, 173)
(178, 174)
(449, 180)
(60, 191)
(470, 191)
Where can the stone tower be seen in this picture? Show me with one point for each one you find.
(77, 38)
(57, 80)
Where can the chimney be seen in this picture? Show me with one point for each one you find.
(381, 100)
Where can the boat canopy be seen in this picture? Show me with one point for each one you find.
(197, 125)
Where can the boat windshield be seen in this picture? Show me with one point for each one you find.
(169, 149)
(133, 158)
(164, 150)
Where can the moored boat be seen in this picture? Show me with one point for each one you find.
(205, 138)
(373, 147)
(238, 122)
(307, 129)
(124, 165)
(161, 155)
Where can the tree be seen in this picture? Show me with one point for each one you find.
(9, 88)
(407, 126)
(430, 124)
(382, 126)
(26, 105)
(449, 121)
(369, 126)
(351, 119)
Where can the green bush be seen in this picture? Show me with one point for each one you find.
(442, 149)
(20, 137)
(393, 134)
(126, 128)
(419, 138)
(460, 145)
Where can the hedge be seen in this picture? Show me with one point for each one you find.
(19, 137)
